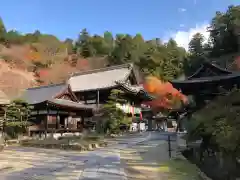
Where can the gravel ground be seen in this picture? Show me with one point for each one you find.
(24, 163)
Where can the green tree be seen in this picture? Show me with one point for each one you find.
(69, 45)
(197, 51)
(14, 37)
(17, 115)
(2, 31)
(109, 40)
(217, 124)
(115, 117)
(122, 52)
(32, 37)
(164, 61)
(99, 45)
(196, 45)
(18, 112)
(84, 45)
(224, 31)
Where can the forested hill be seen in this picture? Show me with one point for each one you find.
(50, 60)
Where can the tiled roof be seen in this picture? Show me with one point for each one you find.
(135, 89)
(99, 78)
(43, 93)
(215, 71)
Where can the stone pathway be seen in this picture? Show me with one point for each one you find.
(142, 160)
(21, 163)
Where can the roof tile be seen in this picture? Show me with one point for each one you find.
(43, 93)
(100, 78)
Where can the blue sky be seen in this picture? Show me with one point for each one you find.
(151, 18)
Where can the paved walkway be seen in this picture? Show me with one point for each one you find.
(20, 163)
(142, 161)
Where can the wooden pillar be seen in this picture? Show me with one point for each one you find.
(98, 98)
(57, 120)
(82, 123)
(46, 124)
(150, 124)
(98, 120)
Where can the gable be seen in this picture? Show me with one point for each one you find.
(67, 94)
(209, 70)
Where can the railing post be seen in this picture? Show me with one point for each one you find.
(169, 147)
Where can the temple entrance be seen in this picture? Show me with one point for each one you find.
(62, 121)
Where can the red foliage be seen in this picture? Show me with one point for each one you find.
(83, 62)
(43, 73)
(165, 94)
(82, 65)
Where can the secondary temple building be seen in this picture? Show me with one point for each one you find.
(69, 106)
(204, 85)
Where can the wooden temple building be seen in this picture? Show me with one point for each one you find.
(94, 86)
(68, 107)
(207, 82)
(56, 109)
(204, 85)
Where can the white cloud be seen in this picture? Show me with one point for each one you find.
(184, 37)
(182, 9)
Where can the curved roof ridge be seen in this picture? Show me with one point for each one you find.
(218, 67)
(128, 65)
(210, 65)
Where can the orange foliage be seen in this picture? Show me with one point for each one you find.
(33, 56)
(165, 94)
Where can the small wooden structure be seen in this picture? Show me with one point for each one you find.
(56, 109)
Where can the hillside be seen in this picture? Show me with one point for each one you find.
(22, 67)
(47, 59)
(13, 81)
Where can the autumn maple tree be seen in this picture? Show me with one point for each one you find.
(165, 95)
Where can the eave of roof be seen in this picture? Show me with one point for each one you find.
(70, 104)
(136, 90)
(207, 79)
